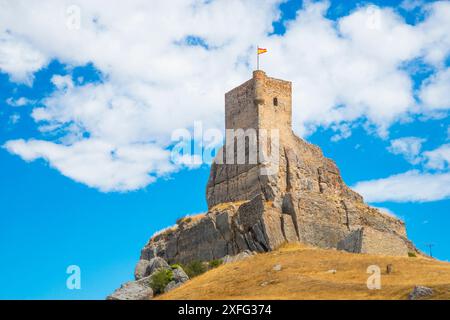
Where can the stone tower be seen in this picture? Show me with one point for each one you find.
(260, 103)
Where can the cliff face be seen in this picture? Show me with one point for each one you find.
(304, 200)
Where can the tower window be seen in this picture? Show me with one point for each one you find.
(275, 101)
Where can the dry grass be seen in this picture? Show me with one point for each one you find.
(304, 276)
(226, 205)
(192, 219)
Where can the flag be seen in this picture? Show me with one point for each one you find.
(261, 50)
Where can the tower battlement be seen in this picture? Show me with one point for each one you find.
(260, 103)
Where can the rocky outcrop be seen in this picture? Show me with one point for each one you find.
(145, 268)
(368, 240)
(179, 277)
(141, 288)
(133, 290)
(305, 201)
(255, 225)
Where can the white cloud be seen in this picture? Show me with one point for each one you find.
(97, 163)
(349, 70)
(435, 35)
(411, 186)
(411, 4)
(14, 118)
(20, 102)
(409, 147)
(438, 158)
(62, 82)
(343, 131)
(154, 82)
(19, 59)
(187, 160)
(433, 183)
(435, 92)
(388, 212)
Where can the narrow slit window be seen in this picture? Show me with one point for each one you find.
(275, 101)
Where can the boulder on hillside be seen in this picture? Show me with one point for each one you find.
(420, 292)
(172, 285)
(238, 257)
(145, 268)
(133, 290)
(179, 276)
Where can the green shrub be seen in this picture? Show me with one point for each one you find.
(183, 220)
(215, 263)
(179, 220)
(194, 268)
(411, 254)
(176, 266)
(160, 279)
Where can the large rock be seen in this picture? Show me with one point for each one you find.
(133, 290)
(172, 285)
(240, 256)
(368, 240)
(145, 268)
(179, 276)
(140, 271)
(420, 292)
(307, 202)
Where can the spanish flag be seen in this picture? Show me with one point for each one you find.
(261, 50)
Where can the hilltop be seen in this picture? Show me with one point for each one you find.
(307, 273)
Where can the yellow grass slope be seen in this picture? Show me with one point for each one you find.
(305, 274)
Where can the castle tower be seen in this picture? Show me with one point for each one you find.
(260, 103)
(261, 108)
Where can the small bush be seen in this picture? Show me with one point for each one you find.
(411, 254)
(194, 268)
(187, 219)
(215, 263)
(176, 266)
(183, 220)
(160, 279)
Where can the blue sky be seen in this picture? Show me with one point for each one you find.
(86, 119)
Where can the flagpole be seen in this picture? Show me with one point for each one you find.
(257, 58)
